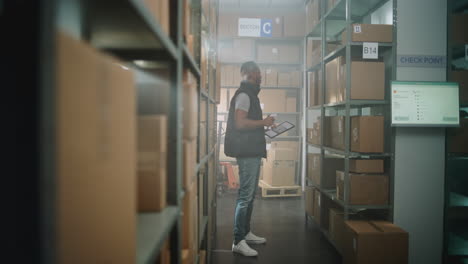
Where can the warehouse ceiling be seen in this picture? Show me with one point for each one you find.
(226, 5)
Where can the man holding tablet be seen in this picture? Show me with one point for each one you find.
(245, 140)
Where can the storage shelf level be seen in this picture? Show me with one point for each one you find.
(358, 103)
(152, 230)
(356, 48)
(132, 19)
(336, 16)
(265, 87)
(268, 113)
(342, 153)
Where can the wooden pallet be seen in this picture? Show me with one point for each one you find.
(269, 191)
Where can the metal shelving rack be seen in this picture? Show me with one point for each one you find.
(456, 201)
(332, 22)
(145, 45)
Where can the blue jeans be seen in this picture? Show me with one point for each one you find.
(249, 173)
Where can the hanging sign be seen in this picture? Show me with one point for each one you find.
(255, 27)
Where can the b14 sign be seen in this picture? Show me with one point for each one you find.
(255, 27)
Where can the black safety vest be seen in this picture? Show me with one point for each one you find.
(245, 143)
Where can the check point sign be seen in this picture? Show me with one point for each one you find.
(255, 27)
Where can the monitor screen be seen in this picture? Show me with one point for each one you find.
(425, 104)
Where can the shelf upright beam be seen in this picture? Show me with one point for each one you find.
(323, 26)
(175, 129)
(347, 126)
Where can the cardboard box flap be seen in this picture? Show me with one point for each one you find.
(361, 227)
(387, 227)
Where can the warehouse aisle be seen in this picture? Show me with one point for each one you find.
(282, 223)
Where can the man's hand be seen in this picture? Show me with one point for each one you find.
(269, 121)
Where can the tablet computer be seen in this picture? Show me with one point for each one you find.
(278, 130)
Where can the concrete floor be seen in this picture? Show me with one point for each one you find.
(282, 222)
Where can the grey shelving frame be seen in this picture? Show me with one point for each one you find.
(97, 23)
(455, 204)
(332, 22)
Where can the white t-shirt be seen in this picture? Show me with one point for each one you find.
(243, 102)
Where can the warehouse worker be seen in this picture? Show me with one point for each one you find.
(245, 141)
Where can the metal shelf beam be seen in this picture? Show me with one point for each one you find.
(152, 230)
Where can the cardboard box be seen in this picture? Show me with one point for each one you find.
(271, 77)
(333, 83)
(294, 25)
(367, 134)
(190, 218)
(459, 34)
(285, 144)
(461, 77)
(317, 207)
(372, 87)
(296, 79)
(291, 104)
(227, 25)
(370, 33)
(319, 87)
(190, 115)
(273, 101)
(284, 79)
(364, 189)
(152, 133)
(95, 134)
(267, 53)
(160, 10)
(187, 19)
(243, 49)
(309, 200)
(190, 162)
(282, 154)
(337, 132)
(314, 168)
(458, 138)
(312, 14)
(164, 254)
(289, 54)
(375, 242)
(223, 103)
(366, 166)
(187, 256)
(279, 172)
(152, 174)
(309, 49)
(337, 228)
(312, 82)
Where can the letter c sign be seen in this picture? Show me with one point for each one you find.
(267, 25)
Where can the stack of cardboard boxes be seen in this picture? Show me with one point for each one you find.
(314, 133)
(96, 169)
(152, 159)
(279, 53)
(315, 87)
(279, 169)
(314, 51)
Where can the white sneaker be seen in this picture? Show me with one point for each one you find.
(253, 239)
(244, 249)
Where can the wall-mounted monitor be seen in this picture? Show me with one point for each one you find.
(420, 104)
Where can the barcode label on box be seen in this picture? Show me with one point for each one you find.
(357, 29)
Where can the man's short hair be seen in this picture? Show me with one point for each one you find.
(249, 66)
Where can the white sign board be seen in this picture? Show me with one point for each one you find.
(370, 50)
(425, 104)
(255, 27)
